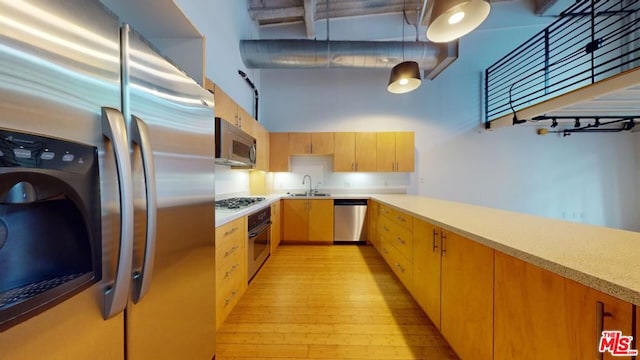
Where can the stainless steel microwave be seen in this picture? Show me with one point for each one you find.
(234, 147)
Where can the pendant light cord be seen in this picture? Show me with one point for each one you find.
(403, 16)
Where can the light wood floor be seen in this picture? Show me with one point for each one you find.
(328, 302)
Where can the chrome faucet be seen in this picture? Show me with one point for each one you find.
(310, 192)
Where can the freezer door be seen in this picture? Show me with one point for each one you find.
(60, 66)
(175, 318)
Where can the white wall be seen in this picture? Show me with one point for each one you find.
(590, 178)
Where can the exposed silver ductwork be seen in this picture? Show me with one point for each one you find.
(284, 54)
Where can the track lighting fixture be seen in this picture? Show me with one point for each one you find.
(554, 122)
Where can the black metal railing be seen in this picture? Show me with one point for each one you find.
(591, 41)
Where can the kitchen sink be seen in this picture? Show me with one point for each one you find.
(310, 195)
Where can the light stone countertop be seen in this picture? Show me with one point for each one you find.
(605, 259)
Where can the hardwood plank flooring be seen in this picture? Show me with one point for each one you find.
(328, 302)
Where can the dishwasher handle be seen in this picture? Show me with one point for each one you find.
(350, 202)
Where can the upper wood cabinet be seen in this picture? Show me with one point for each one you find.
(279, 152)
(311, 143)
(308, 220)
(395, 151)
(541, 315)
(262, 145)
(355, 151)
(227, 109)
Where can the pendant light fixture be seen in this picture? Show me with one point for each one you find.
(405, 76)
(451, 19)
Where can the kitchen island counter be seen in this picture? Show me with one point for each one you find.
(605, 259)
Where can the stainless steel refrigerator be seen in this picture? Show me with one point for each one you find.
(70, 71)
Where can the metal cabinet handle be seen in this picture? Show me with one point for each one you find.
(385, 250)
(600, 315)
(227, 233)
(230, 298)
(443, 238)
(231, 251)
(399, 267)
(401, 218)
(140, 136)
(434, 246)
(113, 128)
(400, 240)
(385, 228)
(231, 270)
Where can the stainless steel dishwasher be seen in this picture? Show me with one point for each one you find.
(350, 219)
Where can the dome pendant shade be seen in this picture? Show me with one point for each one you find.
(404, 77)
(451, 19)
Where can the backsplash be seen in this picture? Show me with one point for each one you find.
(320, 168)
(231, 182)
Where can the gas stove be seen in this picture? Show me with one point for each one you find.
(237, 203)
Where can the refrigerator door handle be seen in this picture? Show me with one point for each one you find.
(140, 136)
(114, 128)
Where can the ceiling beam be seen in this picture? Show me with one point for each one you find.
(270, 14)
(310, 17)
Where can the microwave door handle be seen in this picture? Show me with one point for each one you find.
(252, 154)
(140, 136)
(114, 128)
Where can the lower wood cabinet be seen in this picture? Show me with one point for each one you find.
(372, 216)
(466, 306)
(427, 268)
(308, 220)
(231, 266)
(541, 315)
(276, 226)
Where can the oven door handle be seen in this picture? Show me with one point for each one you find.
(259, 231)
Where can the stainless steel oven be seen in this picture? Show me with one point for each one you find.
(259, 227)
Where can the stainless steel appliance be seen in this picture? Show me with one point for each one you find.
(349, 224)
(233, 146)
(153, 129)
(259, 226)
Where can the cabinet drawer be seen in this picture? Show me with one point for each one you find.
(398, 263)
(230, 240)
(399, 237)
(403, 219)
(230, 285)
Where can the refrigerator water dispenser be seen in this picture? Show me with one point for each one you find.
(50, 231)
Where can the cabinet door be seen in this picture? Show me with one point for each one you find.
(321, 220)
(372, 215)
(299, 143)
(344, 153)
(225, 108)
(386, 151)
(322, 143)
(246, 122)
(426, 268)
(541, 315)
(296, 220)
(366, 159)
(262, 144)
(467, 297)
(279, 152)
(275, 226)
(405, 158)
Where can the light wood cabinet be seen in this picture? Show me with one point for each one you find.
(231, 266)
(395, 229)
(311, 143)
(308, 220)
(279, 152)
(395, 151)
(355, 152)
(276, 226)
(373, 213)
(427, 268)
(541, 315)
(227, 109)
(262, 148)
(467, 296)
